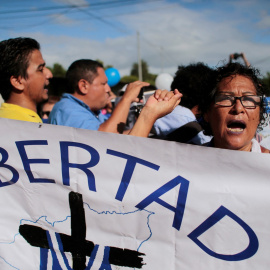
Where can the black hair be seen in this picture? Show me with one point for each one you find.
(231, 70)
(15, 54)
(192, 81)
(81, 69)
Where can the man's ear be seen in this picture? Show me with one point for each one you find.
(17, 82)
(206, 117)
(83, 86)
(196, 111)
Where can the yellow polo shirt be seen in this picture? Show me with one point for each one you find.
(16, 112)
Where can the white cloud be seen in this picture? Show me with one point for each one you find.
(170, 35)
(265, 20)
(59, 18)
(72, 2)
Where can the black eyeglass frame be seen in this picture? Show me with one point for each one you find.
(234, 98)
(45, 112)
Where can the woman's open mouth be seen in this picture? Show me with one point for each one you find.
(236, 127)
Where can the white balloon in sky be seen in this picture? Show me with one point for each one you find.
(164, 81)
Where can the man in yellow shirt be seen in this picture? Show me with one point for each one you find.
(23, 78)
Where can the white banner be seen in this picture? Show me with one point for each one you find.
(78, 199)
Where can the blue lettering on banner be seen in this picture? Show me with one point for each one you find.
(211, 221)
(64, 146)
(56, 265)
(15, 174)
(92, 257)
(76, 244)
(105, 262)
(181, 201)
(27, 161)
(129, 169)
(43, 258)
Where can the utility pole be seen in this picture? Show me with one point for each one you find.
(139, 57)
(161, 57)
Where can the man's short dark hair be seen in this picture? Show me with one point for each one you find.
(15, 54)
(192, 81)
(81, 69)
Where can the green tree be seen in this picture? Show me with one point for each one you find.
(134, 69)
(129, 79)
(266, 81)
(57, 70)
(147, 77)
(102, 63)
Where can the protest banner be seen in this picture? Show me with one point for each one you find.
(78, 199)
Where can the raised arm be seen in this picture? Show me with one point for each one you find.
(245, 59)
(159, 104)
(117, 120)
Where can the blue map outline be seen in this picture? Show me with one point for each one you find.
(45, 218)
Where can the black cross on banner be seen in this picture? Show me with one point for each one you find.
(76, 244)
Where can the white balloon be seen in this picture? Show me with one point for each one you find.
(164, 81)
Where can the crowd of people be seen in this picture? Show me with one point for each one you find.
(221, 107)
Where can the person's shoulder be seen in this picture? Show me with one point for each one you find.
(182, 110)
(265, 150)
(65, 103)
(178, 113)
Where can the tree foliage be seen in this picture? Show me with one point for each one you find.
(102, 63)
(146, 75)
(57, 70)
(266, 81)
(129, 79)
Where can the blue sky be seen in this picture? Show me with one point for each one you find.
(171, 32)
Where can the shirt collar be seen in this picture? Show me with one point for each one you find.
(70, 96)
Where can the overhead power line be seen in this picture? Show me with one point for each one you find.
(265, 59)
(106, 4)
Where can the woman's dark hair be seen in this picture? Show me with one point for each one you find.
(15, 54)
(231, 70)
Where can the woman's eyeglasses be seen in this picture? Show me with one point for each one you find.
(249, 102)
